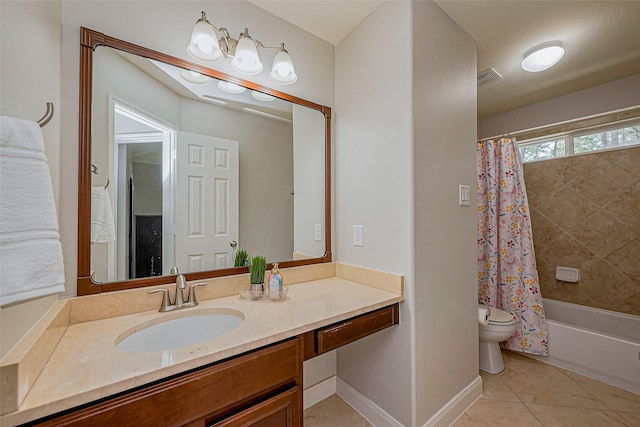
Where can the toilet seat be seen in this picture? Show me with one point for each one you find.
(501, 317)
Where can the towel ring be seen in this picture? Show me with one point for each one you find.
(47, 116)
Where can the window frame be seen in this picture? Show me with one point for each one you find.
(569, 139)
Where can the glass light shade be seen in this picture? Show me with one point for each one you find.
(282, 70)
(542, 57)
(204, 42)
(194, 77)
(230, 87)
(246, 59)
(262, 96)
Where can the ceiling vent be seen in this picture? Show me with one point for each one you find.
(488, 76)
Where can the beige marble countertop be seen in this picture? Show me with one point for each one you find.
(86, 365)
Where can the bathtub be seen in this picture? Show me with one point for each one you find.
(600, 344)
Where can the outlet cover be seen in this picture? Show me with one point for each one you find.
(317, 233)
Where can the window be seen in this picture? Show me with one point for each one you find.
(608, 137)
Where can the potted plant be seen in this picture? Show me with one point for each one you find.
(256, 273)
(241, 259)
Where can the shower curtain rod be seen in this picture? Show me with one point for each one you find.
(571, 125)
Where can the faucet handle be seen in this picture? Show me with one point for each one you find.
(166, 302)
(192, 293)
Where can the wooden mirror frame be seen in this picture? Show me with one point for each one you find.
(89, 41)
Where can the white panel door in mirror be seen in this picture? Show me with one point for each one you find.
(207, 202)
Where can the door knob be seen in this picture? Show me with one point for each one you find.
(233, 244)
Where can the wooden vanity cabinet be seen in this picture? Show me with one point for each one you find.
(262, 388)
(338, 334)
(259, 388)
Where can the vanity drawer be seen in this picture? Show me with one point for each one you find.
(333, 336)
(212, 392)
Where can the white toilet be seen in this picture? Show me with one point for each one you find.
(500, 326)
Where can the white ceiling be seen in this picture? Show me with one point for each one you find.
(601, 40)
(331, 20)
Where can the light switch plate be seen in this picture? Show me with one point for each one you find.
(358, 235)
(464, 192)
(317, 233)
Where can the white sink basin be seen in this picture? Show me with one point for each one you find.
(181, 330)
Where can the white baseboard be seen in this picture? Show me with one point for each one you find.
(369, 410)
(456, 406)
(318, 392)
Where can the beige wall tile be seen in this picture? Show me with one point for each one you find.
(565, 169)
(627, 259)
(628, 158)
(601, 181)
(626, 207)
(603, 233)
(610, 233)
(545, 231)
(568, 208)
(619, 287)
(567, 252)
(540, 186)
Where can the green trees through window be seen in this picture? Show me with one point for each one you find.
(580, 142)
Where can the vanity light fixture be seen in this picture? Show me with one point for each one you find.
(262, 96)
(243, 53)
(194, 77)
(230, 87)
(542, 56)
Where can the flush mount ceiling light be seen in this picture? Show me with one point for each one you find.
(262, 96)
(243, 53)
(194, 77)
(230, 87)
(542, 56)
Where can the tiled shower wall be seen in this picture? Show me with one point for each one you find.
(585, 213)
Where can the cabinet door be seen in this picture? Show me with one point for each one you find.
(282, 410)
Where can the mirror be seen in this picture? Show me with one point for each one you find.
(178, 170)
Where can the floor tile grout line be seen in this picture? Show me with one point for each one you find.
(533, 413)
(579, 385)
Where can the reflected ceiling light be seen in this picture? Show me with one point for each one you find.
(243, 53)
(542, 56)
(262, 96)
(230, 87)
(194, 77)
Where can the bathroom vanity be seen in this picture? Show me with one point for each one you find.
(251, 375)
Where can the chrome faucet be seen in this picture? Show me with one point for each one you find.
(179, 302)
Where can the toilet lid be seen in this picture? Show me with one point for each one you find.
(500, 316)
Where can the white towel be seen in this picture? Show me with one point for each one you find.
(30, 250)
(102, 227)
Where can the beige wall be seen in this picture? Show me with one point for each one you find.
(52, 28)
(373, 189)
(444, 156)
(599, 99)
(585, 213)
(27, 82)
(401, 151)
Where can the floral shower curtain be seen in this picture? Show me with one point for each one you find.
(507, 274)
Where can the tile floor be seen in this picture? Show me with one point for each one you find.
(527, 393)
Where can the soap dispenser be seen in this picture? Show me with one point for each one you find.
(276, 288)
